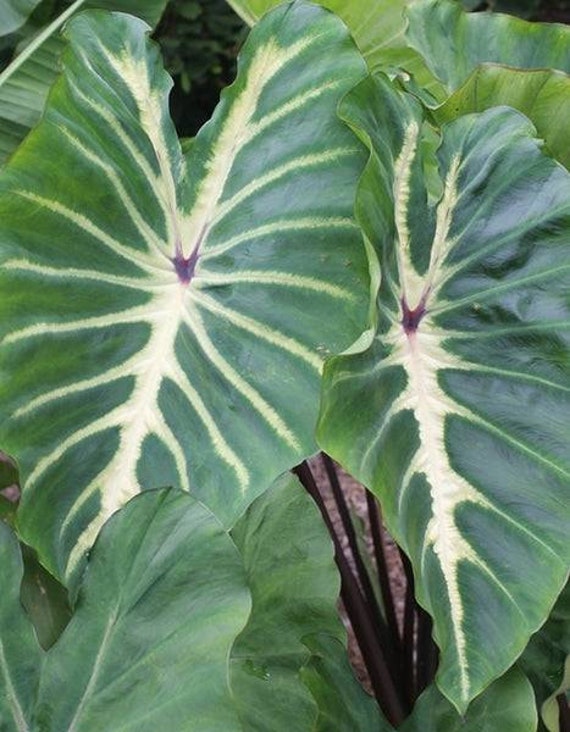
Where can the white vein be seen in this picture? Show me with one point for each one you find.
(195, 323)
(280, 279)
(260, 330)
(277, 227)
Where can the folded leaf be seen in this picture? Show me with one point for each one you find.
(542, 95)
(453, 43)
(461, 427)
(178, 309)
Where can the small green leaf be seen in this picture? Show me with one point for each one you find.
(453, 43)
(343, 704)
(294, 583)
(546, 660)
(44, 599)
(506, 706)
(542, 95)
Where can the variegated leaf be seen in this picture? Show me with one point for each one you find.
(164, 319)
(463, 394)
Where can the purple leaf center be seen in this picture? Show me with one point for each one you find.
(411, 317)
(186, 266)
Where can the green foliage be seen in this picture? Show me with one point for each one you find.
(390, 249)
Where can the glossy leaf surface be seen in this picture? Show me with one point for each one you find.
(178, 309)
(462, 424)
(163, 599)
(25, 83)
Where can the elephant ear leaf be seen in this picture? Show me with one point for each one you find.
(165, 318)
(462, 424)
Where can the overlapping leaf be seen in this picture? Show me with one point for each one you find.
(164, 319)
(493, 60)
(463, 393)
(379, 29)
(453, 43)
(164, 597)
(25, 83)
(542, 95)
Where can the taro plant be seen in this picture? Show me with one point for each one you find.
(364, 251)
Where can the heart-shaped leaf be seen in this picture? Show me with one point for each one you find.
(164, 319)
(163, 599)
(463, 394)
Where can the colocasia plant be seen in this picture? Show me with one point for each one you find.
(365, 251)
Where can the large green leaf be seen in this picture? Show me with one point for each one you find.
(379, 29)
(456, 415)
(542, 95)
(163, 599)
(25, 83)
(453, 43)
(507, 706)
(164, 319)
(14, 13)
